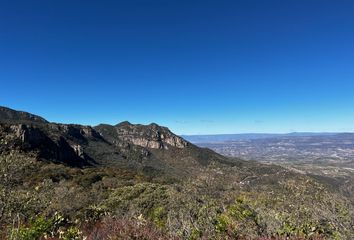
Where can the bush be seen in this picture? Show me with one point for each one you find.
(111, 228)
(37, 228)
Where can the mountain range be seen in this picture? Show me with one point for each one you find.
(214, 138)
(125, 144)
(157, 183)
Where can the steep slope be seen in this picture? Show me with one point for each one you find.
(158, 146)
(51, 142)
(136, 146)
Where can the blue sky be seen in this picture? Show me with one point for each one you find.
(198, 67)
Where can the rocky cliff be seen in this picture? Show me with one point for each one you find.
(76, 145)
(37, 140)
(150, 136)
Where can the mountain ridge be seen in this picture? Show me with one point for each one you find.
(78, 145)
(8, 114)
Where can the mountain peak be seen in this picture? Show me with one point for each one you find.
(13, 116)
(124, 123)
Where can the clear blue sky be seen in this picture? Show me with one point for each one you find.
(194, 66)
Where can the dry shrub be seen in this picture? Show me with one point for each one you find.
(114, 229)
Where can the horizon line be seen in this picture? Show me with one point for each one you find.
(267, 133)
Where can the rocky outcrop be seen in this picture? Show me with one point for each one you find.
(79, 132)
(150, 136)
(13, 135)
(30, 138)
(78, 149)
(28, 134)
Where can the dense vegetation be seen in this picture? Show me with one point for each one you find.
(41, 199)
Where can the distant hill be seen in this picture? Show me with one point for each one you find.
(248, 136)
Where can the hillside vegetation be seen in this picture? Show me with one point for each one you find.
(130, 181)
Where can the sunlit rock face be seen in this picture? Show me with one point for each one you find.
(149, 136)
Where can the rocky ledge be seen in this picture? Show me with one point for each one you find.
(150, 136)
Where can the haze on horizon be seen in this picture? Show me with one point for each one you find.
(197, 67)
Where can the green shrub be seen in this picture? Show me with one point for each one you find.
(72, 233)
(37, 228)
(158, 216)
(222, 224)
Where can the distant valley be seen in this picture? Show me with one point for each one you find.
(320, 153)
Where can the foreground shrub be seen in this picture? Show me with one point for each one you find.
(37, 228)
(111, 228)
(56, 227)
